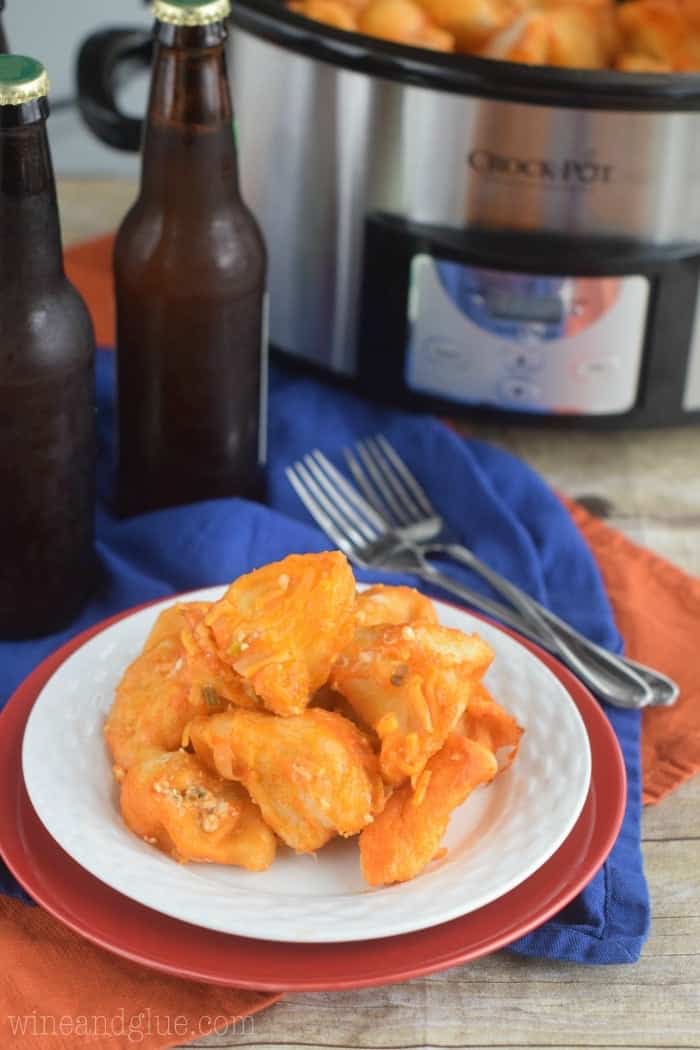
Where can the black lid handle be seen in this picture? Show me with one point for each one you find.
(105, 61)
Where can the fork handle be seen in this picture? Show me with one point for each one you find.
(664, 690)
(606, 678)
(619, 698)
(620, 671)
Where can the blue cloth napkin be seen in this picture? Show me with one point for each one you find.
(500, 507)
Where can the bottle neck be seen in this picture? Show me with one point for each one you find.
(30, 247)
(189, 151)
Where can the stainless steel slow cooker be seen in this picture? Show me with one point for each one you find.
(461, 234)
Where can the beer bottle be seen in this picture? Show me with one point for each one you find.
(189, 268)
(3, 37)
(47, 416)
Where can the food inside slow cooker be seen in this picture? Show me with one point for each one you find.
(639, 36)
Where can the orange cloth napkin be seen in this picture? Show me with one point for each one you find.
(60, 992)
(56, 978)
(89, 267)
(657, 611)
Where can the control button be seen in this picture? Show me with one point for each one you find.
(531, 335)
(519, 391)
(444, 349)
(524, 358)
(596, 368)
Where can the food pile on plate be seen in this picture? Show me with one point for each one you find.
(296, 709)
(639, 36)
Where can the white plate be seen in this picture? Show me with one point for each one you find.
(499, 837)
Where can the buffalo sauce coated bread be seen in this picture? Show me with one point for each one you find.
(403, 22)
(660, 36)
(570, 33)
(296, 710)
(410, 684)
(173, 802)
(155, 698)
(331, 12)
(472, 23)
(280, 626)
(406, 835)
(642, 36)
(313, 775)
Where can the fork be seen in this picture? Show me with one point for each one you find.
(398, 496)
(365, 537)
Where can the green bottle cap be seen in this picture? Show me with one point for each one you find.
(191, 12)
(22, 80)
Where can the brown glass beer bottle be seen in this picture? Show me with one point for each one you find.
(189, 267)
(3, 35)
(47, 409)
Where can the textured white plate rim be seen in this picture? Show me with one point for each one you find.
(480, 866)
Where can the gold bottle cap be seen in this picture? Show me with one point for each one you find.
(22, 79)
(191, 12)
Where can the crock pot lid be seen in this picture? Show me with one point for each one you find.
(467, 75)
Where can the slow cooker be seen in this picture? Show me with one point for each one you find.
(457, 233)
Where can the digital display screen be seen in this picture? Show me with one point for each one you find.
(510, 305)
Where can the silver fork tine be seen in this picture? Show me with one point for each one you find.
(316, 501)
(330, 504)
(411, 510)
(341, 504)
(318, 514)
(339, 484)
(408, 478)
(316, 510)
(360, 475)
(364, 450)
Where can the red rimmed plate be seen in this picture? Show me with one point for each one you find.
(106, 917)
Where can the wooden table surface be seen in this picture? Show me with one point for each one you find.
(649, 486)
